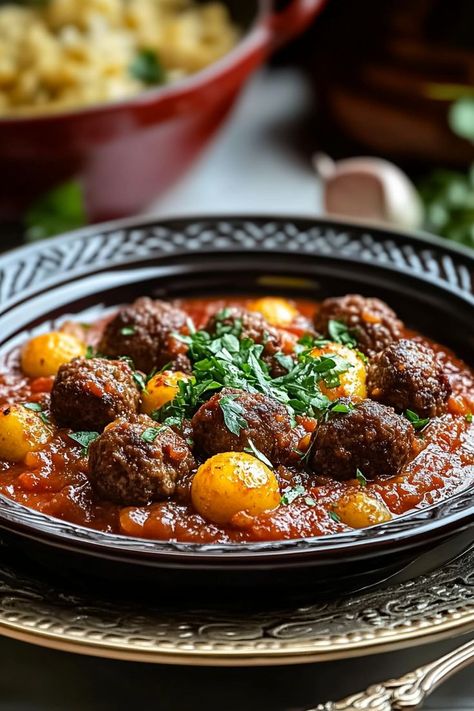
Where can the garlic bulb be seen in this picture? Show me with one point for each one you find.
(368, 189)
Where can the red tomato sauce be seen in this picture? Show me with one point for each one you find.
(54, 480)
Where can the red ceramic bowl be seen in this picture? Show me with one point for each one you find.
(127, 152)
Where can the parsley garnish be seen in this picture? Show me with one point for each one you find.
(361, 478)
(334, 516)
(339, 332)
(469, 417)
(85, 439)
(139, 379)
(36, 407)
(342, 407)
(150, 434)
(417, 422)
(128, 330)
(147, 68)
(90, 352)
(224, 360)
(292, 494)
(252, 449)
(232, 412)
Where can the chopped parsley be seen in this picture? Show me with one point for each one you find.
(417, 422)
(252, 449)
(361, 478)
(36, 407)
(339, 332)
(342, 407)
(85, 439)
(128, 330)
(224, 359)
(150, 434)
(139, 379)
(232, 412)
(295, 493)
(292, 494)
(90, 352)
(334, 516)
(147, 67)
(469, 417)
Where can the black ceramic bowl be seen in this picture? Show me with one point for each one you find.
(429, 283)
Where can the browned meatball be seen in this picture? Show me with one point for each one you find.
(263, 420)
(250, 324)
(407, 375)
(137, 461)
(144, 332)
(371, 437)
(89, 393)
(371, 321)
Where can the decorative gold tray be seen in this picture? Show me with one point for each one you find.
(426, 609)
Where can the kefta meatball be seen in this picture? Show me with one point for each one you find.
(407, 375)
(88, 393)
(372, 322)
(145, 332)
(370, 437)
(137, 461)
(250, 324)
(232, 418)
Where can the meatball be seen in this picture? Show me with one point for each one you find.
(137, 461)
(89, 393)
(144, 331)
(370, 437)
(371, 321)
(250, 324)
(407, 375)
(262, 419)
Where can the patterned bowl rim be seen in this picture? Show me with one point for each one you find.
(453, 272)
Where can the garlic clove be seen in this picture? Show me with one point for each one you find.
(368, 188)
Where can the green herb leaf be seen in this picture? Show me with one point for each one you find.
(252, 449)
(150, 434)
(361, 478)
(334, 516)
(34, 406)
(342, 407)
(128, 330)
(417, 422)
(340, 333)
(140, 379)
(90, 352)
(232, 412)
(469, 417)
(291, 494)
(85, 439)
(59, 210)
(147, 68)
(461, 117)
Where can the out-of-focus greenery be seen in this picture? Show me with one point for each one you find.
(448, 195)
(57, 211)
(448, 198)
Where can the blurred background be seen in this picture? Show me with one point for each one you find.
(368, 114)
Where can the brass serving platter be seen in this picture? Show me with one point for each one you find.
(432, 607)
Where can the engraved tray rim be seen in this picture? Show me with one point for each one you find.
(435, 606)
